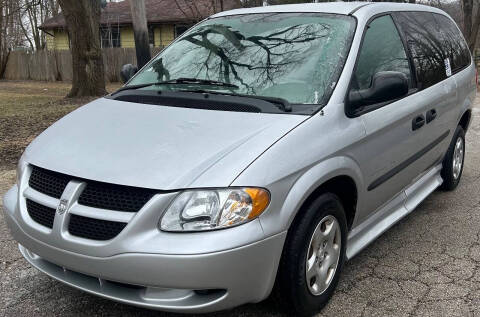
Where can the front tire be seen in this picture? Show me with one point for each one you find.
(313, 256)
(453, 162)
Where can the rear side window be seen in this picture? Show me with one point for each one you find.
(453, 44)
(437, 47)
(419, 29)
(382, 50)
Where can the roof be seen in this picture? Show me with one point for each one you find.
(158, 11)
(323, 7)
(332, 7)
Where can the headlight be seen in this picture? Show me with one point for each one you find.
(199, 210)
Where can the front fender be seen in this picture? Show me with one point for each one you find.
(289, 193)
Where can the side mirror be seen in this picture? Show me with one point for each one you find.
(386, 86)
(127, 72)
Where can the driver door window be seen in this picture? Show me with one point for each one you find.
(382, 50)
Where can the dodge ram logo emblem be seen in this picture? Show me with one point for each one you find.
(62, 206)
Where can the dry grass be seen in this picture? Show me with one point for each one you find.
(26, 109)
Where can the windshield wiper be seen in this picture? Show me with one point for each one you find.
(180, 81)
(283, 103)
(183, 80)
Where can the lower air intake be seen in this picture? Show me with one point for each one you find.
(94, 229)
(40, 213)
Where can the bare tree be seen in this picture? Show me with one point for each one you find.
(30, 15)
(140, 30)
(54, 7)
(197, 12)
(83, 21)
(10, 35)
(4, 51)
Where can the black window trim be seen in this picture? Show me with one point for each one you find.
(351, 113)
(408, 52)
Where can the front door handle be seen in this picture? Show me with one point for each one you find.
(431, 115)
(418, 122)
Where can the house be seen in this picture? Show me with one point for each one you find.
(166, 20)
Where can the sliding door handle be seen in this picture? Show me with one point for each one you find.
(431, 115)
(418, 122)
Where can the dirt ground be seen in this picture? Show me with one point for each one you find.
(426, 265)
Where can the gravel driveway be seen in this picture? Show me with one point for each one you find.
(426, 265)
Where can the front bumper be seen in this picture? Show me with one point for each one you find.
(169, 282)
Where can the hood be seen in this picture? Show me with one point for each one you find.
(156, 146)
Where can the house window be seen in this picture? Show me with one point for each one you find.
(151, 36)
(110, 37)
(180, 29)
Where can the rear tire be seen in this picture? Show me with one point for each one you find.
(313, 257)
(453, 162)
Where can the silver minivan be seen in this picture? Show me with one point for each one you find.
(254, 155)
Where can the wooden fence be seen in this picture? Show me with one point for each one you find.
(57, 65)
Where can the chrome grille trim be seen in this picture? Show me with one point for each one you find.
(101, 214)
(41, 198)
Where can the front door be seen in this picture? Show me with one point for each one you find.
(397, 135)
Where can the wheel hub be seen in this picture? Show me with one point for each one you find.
(457, 161)
(323, 255)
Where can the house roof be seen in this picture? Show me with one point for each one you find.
(158, 11)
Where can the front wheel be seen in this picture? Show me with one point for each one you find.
(453, 162)
(313, 256)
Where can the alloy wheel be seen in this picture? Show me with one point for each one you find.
(323, 255)
(458, 158)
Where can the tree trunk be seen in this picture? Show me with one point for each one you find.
(472, 43)
(467, 18)
(471, 23)
(83, 24)
(140, 30)
(4, 24)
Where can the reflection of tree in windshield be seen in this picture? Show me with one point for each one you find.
(270, 55)
(291, 56)
(163, 73)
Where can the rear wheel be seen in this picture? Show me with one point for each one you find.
(313, 256)
(453, 161)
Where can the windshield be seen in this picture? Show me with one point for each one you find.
(294, 56)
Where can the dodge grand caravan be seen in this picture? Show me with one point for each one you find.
(254, 155)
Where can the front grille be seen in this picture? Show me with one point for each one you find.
(41, 214)
(115, 197)
(95, 194)
(94, 229)
(48, 182)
